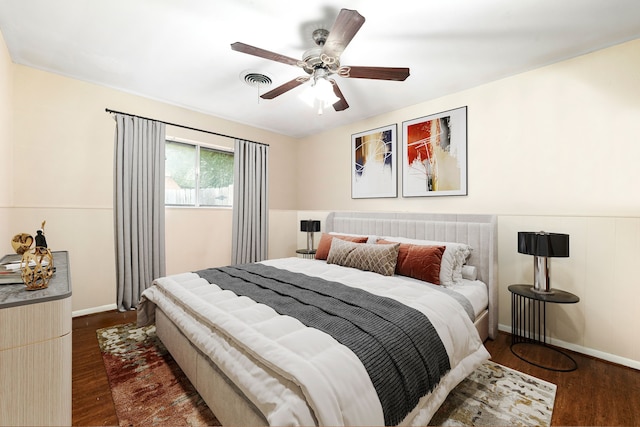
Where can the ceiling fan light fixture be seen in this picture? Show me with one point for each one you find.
(324, 91)
(319, 94)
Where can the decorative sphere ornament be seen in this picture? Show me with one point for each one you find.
(21, 243)
(37, 268)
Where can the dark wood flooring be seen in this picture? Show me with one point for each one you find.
(598, 393)
(92, 404)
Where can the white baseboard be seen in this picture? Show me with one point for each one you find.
(586, 350)
(94, 310)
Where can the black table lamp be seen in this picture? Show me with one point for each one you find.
(310, 226)
(542, 246)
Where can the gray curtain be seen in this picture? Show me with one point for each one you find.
(138, 206)
(250, 203)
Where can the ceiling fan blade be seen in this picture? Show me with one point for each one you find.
(342, 104)
(377, 73)
(284, 88)
(256, 51)
(346, 26)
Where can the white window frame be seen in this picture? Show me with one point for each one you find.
(198, 145)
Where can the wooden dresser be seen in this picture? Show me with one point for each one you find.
(35, 350)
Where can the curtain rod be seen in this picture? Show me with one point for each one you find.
(182, 126)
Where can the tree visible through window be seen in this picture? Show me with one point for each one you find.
(197, 175)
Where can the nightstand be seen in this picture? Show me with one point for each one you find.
(529, 321)
(306, 253)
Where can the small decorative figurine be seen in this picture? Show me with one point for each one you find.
(21, 243)
(41, 241)
(36, 266)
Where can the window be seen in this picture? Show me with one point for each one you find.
(197, 176)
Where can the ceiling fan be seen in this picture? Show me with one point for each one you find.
(323, 61)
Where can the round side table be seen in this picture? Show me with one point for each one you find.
(529, 321)
(306, 253)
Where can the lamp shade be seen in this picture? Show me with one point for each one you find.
(543, 244)
(309, 225)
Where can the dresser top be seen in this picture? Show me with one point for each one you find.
(12, 295)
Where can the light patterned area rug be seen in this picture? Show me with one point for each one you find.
(494, 395)
(149, 388)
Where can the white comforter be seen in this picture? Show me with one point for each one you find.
(298, 375)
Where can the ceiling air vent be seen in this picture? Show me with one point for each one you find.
(255, 79)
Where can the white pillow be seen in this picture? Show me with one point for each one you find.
(469, 272)
(454, 257)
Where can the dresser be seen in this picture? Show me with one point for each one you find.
(35, 350)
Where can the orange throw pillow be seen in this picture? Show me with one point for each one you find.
(325, 243)
(419, 262)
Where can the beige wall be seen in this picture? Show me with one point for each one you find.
(553, 149)
(62, 144)
(6, 135)
(560, 140)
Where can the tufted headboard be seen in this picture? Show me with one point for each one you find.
(479, 231)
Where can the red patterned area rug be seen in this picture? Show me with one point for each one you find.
(148, 387)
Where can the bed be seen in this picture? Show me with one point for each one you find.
(255, 366)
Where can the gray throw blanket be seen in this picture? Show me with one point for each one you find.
(398, 345)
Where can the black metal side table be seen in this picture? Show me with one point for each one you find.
(529, 320)
(306, 253)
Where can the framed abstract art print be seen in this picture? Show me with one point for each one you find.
(374, 163)
(434, 155)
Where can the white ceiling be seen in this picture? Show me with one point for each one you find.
(179, 52)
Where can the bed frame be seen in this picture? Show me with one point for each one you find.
(479, 231)
(230, 405)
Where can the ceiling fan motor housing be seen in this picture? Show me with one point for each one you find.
(313, 59)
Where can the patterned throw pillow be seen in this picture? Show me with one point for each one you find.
(380, 259)
(325, 243)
